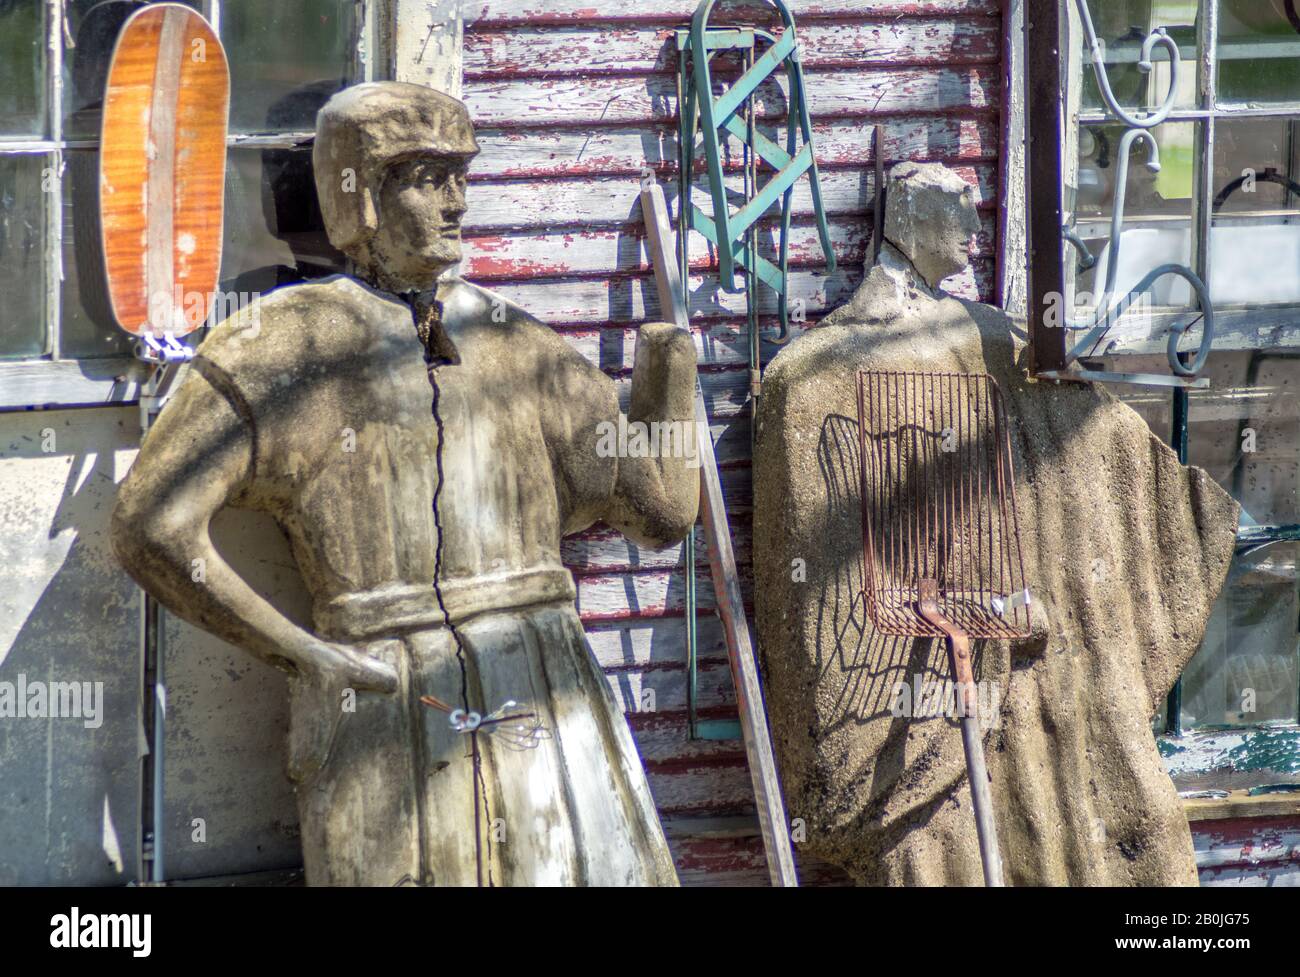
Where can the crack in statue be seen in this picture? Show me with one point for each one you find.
(426, 522)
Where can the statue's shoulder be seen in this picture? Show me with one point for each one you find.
(304, 319)
(471, 312)
(465, 305)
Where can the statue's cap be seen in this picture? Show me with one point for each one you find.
(368, 128)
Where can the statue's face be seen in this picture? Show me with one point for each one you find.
(965, 224)
(421, 205)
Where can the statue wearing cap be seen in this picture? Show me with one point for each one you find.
(424, 444)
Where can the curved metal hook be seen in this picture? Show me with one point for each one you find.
(1117, 208)
(1086, 258)
(1270, 175)
(1103, 321)
(1292, 16)
(1144, 65)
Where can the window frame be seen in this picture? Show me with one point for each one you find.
(1051, 124)
(54, 380)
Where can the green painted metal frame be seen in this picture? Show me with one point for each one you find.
(718, 117)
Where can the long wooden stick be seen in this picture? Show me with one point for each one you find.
(722, 561)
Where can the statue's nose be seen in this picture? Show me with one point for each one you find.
(454, 202)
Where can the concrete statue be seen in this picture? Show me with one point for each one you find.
(424, 444)
(1124, 548)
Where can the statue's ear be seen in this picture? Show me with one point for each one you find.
(369, 210)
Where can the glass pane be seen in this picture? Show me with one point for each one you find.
(22, 256)
(1157, 226)
(22, 68)
(1245, 431)
(1255, 241)
(1259, 51)
(274, 234)
(1121, 26)
(88, 326)
(1247, 669)
(93, 26)
(286, 60)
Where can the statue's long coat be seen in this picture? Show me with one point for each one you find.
(318, 396)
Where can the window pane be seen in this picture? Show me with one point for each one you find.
(1247, 670)
(1245, 431)
(1121, 26)
(274, 234)
(88, 327)
(22, 68)
(1255, 241)
(94, 26)
(22, 258)
(286, 59)
(1157, 216)
(1259, 52)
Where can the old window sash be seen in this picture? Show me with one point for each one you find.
(56, 379)
(1052, 51)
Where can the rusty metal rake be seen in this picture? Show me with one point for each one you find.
(941, 542)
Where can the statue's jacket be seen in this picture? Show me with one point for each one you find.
(425, 508)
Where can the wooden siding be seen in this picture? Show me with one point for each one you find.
(1248, 851)
(572, 103)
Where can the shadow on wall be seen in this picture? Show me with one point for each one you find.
(68, 613)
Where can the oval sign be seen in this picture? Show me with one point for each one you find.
(162, 170)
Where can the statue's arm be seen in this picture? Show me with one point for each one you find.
(197, 459)
(656, 498)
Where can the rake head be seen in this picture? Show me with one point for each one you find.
(939, 504)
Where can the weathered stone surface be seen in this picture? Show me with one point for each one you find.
(1124, 552)
(919, 215)
(424, 444)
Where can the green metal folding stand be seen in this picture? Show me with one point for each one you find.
(721, 116)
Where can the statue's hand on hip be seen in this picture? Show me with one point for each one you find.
(339, 666)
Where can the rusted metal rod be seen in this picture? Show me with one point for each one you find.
(959, 662)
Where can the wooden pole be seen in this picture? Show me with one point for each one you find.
(722, 561)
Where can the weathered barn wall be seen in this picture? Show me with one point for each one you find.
(1248, 851)
(572, 102)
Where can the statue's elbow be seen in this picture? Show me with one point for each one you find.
(676, 507)
(146, 537)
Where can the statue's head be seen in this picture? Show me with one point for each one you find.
(930, 216)
(390, 161)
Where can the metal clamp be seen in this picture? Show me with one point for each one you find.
(167, 349)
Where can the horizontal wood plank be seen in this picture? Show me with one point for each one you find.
(619, 100)
(632, 298)
(543, 253)
(576, 151)
(613, 201)
(631, 49)
(494, 14)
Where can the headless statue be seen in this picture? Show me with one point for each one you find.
(424, 444)
(1124, 551)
